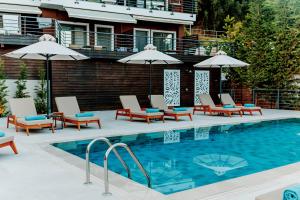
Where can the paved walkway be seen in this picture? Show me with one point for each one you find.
(37, 174)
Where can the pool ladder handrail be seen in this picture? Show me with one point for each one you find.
(87, 160)
(135, 159)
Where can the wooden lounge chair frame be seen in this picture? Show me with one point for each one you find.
(12, 119)
(168, 114)
(65, 118)
(243, 108)
(128, 113)
(210, 110)
(12, 145)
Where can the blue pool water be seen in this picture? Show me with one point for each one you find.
(183, 159)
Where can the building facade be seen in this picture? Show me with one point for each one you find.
(108, 30)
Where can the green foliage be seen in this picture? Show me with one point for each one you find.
(269, 40)
(3, 89)
(211, 13)
(41, 92)
(21, 82)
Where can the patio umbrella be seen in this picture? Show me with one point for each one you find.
(150, 56)
(221, 60)
(46, 49)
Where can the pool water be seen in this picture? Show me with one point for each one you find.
(183, 159)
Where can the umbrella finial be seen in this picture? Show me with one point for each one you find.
(221, 53)
(150, 47)
(47, 37)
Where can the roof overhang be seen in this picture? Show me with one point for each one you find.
(15, 8)
(163, 20)
(100, 15)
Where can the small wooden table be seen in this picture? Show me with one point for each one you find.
(56, 116)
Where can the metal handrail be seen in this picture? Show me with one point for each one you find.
(88, 167)
(125, 146)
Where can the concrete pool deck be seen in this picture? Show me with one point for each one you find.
(40, 172)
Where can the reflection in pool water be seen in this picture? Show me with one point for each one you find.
(219, 163)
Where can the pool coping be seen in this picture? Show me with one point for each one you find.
(116, 180)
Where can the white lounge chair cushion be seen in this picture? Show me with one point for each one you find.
(67, 105)
(170, 111)
(130, 102)
(227, 99)
(147, 114)
(6, 139)
(72, 117)
(158, 101)
(34, 122)
(22, 107)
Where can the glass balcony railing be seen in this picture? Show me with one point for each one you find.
(183, 6)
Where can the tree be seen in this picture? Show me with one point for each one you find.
(3, 89)
(21, 82)
(211, 14)
(268, 39)
(41, 92)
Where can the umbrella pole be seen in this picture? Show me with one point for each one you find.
(150, 80)
(220, 84)
(48, 86)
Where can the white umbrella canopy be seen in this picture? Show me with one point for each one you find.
(221, 60)
(150, 56)
(46, 49)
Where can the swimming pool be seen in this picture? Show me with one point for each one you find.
(179, 160)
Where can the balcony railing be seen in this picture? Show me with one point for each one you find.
(132, 43)
(183, 6)
(24, 30)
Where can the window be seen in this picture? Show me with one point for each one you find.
(164, 40)
(73, 34)
(1, 21)
(141, 38)
(104, 37)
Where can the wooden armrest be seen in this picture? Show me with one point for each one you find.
(239, 104)
(219, 105)
(171, 107)
(143, 109)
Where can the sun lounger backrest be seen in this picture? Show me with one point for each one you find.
(130, 102)
(227, 99)
(158, 101)
(22, 107)
(206, 100)
(67, 105)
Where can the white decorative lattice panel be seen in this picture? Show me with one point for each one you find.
(172, 87)
(201, 85)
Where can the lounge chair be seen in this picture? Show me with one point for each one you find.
(132, 109)
(207, 105)
(8, 141)
(227, 99)
(21, 108)
(157, 101)
(68, 107)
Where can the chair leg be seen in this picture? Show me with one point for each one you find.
(163, 119)
(250, 112)
(260, 112)
(52, 128)
(27, 131)
(190, 116)
(241, 113)
(99, 124)
(148, 120)
(78, 126)
(116, 115)
(13, 147)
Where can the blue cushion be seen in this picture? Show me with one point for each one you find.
(292, 193)
(228, 106)
(249, 105)
(2, 134)
(180, 109)
(152, 110)
(33, 118)
(85, 114)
